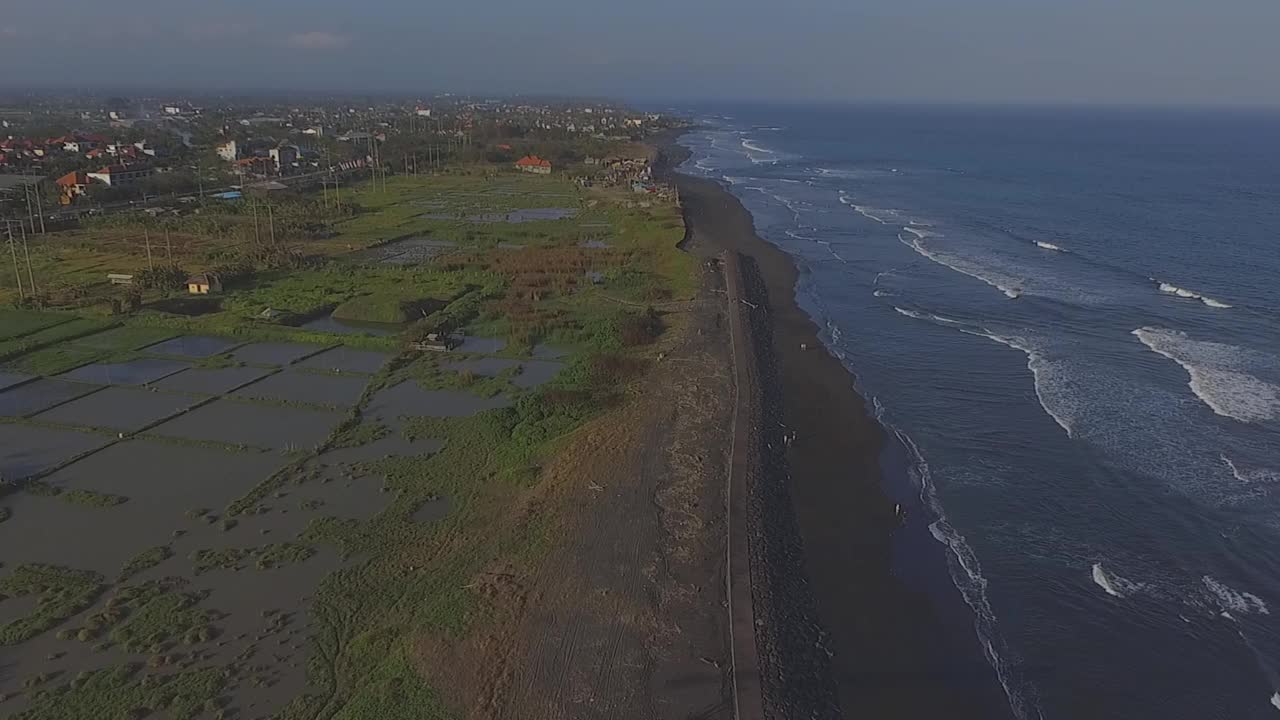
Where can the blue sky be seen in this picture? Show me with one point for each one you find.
(1117, 51)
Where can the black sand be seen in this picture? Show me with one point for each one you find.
(880, 634)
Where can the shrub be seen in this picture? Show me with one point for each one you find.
(640, 329)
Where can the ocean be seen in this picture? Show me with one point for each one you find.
(1068, 321)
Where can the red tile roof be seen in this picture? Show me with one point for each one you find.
(532, 161)
(73, 178)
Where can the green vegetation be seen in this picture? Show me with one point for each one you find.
(383, 307)
(155, 615)
(265, 557)
(89, 498)
(125, 338)
(404, 579)
(144, 560)
(63, 592)
(17, 323)
(42, 351)
(127, 693)
(359, 434)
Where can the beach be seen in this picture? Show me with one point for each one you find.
(837, 633)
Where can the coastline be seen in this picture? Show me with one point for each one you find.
(838, 633)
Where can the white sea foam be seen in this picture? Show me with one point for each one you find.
(1048, 246)
(928, 316)
(1275, 700)
(884, 216)
(1170, 289)
(1230, 600)
(1011, 287)
(1219, 374)
(966, 572)
(880, 293)
(1113, 584)
(1251, 476)
(758, 155)
(1052, 392)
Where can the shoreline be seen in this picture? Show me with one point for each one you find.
(842, 634)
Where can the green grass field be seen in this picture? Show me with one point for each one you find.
(404, 579)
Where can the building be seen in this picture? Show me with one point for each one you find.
(120, 175)
(73, 185)
(204, 283)
(534, 164)
(172, 110)
(228, 151)
(284, 157)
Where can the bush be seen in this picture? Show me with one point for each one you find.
(642, 329)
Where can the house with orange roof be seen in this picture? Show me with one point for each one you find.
(534, 164)
(73, 185)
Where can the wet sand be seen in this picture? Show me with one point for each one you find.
(837, 633)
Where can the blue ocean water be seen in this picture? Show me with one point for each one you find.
(1070, 320)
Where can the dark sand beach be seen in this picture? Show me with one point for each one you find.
(837, 633)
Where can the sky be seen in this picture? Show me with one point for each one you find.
(973, 51)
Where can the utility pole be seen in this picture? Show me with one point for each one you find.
(257, 233)
(39, 209)
(13, 252)
(26, 254)
(31, 218)
(146, 238)
(168, 245)
(271, 220)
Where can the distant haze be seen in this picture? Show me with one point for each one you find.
(1111, 51)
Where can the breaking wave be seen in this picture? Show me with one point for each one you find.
(884, 216)
(1170, 289)
(1113, 584)
(1238, 602)
(1010, 286)
(1048, 246)
(1218, 374)
(756, 154)
(1251, 476)
(966, 572)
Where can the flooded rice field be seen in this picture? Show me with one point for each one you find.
(119, 408)
(33, 397)
(26, 450)
(192, 346)
(8, 379)
(306, 387)
(133, 372)
(330, 324)
(274, 353)
(347, 360)
(211, 381)
(150, 521)
(408, 251)
(271, 427)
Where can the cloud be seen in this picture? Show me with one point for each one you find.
(317, 40)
